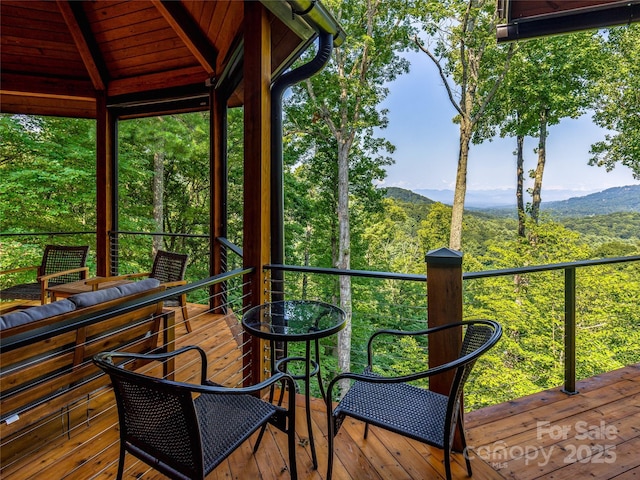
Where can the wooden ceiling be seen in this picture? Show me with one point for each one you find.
(530, 8)
(535, 18)
(57, 57)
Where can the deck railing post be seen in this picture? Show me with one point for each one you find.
(444, 306)
(570, 331)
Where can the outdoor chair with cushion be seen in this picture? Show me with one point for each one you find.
(169, 268)
(60, 264)
(185, 430)
(395, 404)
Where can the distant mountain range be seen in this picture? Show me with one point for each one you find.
(611, 200)
(616, 199)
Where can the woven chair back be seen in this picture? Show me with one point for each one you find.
(158, 421)
(169, 266)
(58, 258)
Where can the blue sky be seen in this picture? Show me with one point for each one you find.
(426, 139)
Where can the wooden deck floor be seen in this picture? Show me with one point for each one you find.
(504, 439)
(550, 435)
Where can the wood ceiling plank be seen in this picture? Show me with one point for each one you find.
(17, 45)
(190, 33)
(142, 64)
(39, 86)
(36, 35)
(233, 21)
(129, 32)
(39, 65)
(77, 24)
(196, 9)
(125, 51)
(210, 11)
(31, 7)
(137, 70)
(215, 23)
(157, 81)
(98, 12)
(14, 14)
(103, 20)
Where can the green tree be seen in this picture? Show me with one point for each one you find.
(548, 79)
(48, 174)
(618, 102)
(338, 108)
(459, 38)
(164, 185)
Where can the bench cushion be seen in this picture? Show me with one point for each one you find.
(39, 312)
(137, 287)
(88, 299)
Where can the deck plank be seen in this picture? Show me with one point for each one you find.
(613, 397)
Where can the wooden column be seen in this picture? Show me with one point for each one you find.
(444, 295)
(444, 299)
(105, 188)
(257, 160)
(218, 191)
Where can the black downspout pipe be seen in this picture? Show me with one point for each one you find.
(325, 45)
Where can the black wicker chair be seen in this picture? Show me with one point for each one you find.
(396, 405)
(185, 430)
(169, 268)
(60, 264)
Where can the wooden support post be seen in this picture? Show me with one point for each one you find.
(218, 193)
(444, 299)
(257, 162)
(105, 188)
(444, 295)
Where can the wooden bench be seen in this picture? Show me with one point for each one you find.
(46, 365)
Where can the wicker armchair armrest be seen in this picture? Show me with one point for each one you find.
(205, 385)
(20, 269)
(46, 278)
(369, 376)
(94, 282)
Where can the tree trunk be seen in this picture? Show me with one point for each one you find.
(305, 280)
(520, 185)
(158, 194)
(457, 211)
(344, 262)
(542, 157)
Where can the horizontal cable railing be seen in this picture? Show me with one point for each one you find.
(90, 414)
(125, 243)
(379, 300)
(566, 293)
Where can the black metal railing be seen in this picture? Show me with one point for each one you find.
(413, 309)
(131, 252)
(216, 326)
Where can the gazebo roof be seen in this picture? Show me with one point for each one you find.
(58, 57)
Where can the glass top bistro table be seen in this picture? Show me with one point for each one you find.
(296, 321)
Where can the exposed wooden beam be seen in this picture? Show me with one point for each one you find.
(38, 86)
(47, 105)
(156, 81)
(190, 33)
(89, 52)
